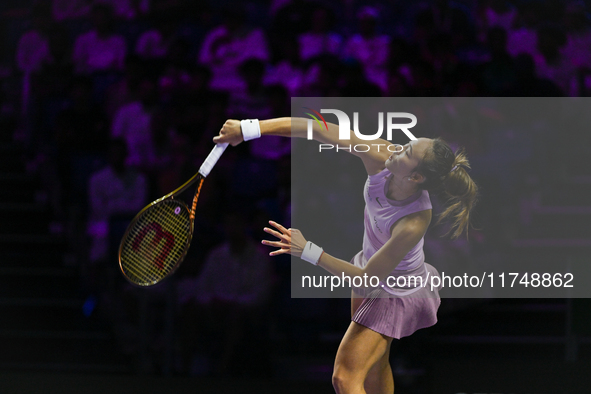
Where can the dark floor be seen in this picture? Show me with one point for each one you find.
(35, 383)
(446, 376)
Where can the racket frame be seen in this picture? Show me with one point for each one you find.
(161, 200)
(199, 176)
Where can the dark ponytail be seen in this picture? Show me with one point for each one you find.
(446, 174)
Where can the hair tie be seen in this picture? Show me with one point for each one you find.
(453, 169)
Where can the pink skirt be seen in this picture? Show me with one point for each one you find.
(398, 316)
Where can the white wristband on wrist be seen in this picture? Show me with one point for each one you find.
(250, 129)
(312, 253)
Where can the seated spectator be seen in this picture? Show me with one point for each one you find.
(320, 40)
(249, 100)
(578, 36)
(99, 49)
(176, 73)
(273, 148)
(155, 42)
(33, 51)
(498, 13)
(117, 189)
(322, 78)
(550, 61)
(522, 37)
(227, 46)
(51, 86)
(132, 123)
(370, 48)
(287, 71)
(124, 90)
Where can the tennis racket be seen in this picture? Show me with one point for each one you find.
(158, 238)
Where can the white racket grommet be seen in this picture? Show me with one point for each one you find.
(250, 129)
(312, 253)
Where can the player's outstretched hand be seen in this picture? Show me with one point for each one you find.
(230, 133)
(291, 240)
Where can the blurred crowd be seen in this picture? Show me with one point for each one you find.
(117, 102)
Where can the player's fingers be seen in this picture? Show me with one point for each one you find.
(277, 234)
(278, 252)
(275, 243)
(280, 227)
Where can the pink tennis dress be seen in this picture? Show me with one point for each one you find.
(403, 302)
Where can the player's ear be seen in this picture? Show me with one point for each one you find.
(417, 177)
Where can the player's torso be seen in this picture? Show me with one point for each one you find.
(381, 213)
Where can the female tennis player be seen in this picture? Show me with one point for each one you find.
(397, 215)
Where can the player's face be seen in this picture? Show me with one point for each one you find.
(403, 162)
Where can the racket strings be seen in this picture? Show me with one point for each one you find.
(160, 248)
(155, 256)
(156, 242)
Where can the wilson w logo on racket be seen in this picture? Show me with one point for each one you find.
(158, 238)
(159, 234)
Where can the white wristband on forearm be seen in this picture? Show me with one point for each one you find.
(250, 129)
(311, 253)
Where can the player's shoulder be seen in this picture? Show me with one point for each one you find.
(413, 223)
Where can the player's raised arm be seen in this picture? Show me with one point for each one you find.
(235, 131)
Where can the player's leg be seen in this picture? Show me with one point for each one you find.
(379, 379)
(360, 349)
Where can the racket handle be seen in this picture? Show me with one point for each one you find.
(212, 158)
